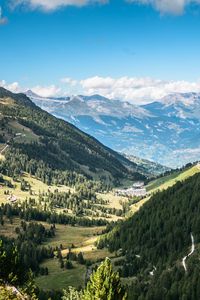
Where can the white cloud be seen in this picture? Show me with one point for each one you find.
(136, 90)
(46, 91)
(96, 83)
(175, 7)
(49, 5)
(13, 87)
(132, 89)
(43, 91)
(69, 81)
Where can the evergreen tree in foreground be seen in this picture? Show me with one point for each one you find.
(104, 284)
(14, 275)
(72, 294)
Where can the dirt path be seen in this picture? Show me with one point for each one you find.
(4, 149)
(192, 250)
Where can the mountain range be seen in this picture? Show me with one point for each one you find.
(35, 138)
(166, 131)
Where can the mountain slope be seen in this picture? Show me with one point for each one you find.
(156, 239)
(167, 132)
(30, 131)
(172, 177)
(150, 168)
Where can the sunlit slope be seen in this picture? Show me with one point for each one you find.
(164, 183)
(167, 181)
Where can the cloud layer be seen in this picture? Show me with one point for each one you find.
(132, 89)
(49, 5)
(13, 87)
(136, 90)
(43, 91)
(175, 7)
(46, 91)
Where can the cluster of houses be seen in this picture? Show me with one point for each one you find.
(138, 190)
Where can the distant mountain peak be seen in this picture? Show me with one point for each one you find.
(30, 93)
(95, 97)
(181, 98)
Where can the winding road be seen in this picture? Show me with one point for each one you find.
(4, 149)
(192, 250)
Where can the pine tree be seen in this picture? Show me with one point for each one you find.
(72, 294)
(61, 263)
(68, 264)
(80, 258)
(104, 284)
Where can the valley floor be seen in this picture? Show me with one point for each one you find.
(79, 239)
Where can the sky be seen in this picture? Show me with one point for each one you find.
(134, 50)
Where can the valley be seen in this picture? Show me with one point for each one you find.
(65, 213)
(99, 150)
(51, 204)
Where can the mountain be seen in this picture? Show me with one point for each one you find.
(33, 137)
(148, 167)
(94, 106)
(166, 132)
(161, 244)
(185, 105)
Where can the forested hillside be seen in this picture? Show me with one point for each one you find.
(55, 199)
(40, 143)
(155, 241)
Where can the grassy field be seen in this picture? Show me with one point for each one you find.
(78, 236)
(8, 229)
(27, 135)
(89, 250)
(113, 200)
(36, 186)
(83, 239)
(64, 234)
(59, 278)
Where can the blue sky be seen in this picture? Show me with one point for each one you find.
(98, 46)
